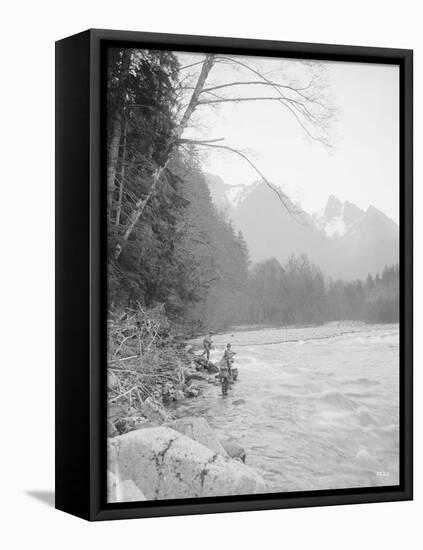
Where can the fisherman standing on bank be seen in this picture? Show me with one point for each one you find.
(207, 344)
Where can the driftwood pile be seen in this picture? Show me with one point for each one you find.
(143, 361)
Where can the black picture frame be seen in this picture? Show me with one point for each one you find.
(81, 275)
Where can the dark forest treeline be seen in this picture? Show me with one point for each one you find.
(183, 254)
(169, 245)
(297, 293)
(181, 251)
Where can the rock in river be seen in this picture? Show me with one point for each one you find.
(234, 450)
(238, 402)
(166, 464)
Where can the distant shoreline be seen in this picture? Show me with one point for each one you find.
(246, 328)
(265, 326)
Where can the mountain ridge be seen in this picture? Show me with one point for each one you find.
(342, 239)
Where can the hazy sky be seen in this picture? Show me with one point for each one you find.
(362, 167)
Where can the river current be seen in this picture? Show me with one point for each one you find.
(314, 407)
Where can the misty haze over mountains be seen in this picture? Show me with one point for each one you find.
(343, 240)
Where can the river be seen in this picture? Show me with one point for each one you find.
(319, 405)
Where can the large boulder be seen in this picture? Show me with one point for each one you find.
(122, 491)
(165, 464)
(199, 429)
(234, 450)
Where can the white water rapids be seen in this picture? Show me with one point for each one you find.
(321, 404)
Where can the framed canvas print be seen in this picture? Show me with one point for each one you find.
(234, 274)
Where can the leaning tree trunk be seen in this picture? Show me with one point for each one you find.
(142, 203)
(121, 178)
(116, 129)
(112, 162)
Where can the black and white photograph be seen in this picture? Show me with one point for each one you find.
(253, 270)
(208, 299)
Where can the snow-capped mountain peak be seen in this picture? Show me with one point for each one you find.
(338, 217)
(333, 208)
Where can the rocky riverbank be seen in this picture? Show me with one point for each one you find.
(182, 459)
(126, 414)
(160, 457)
(152, 454)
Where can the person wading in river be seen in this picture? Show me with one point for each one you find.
(207, 344)
(224, 375)
(228, 357)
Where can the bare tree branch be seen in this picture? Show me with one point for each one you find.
(266, 82)
(284, 101)
(285, 201)
(315, 120)
(200, 142)
(191, 65)
(261, 83)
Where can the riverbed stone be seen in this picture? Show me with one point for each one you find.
(199, 429)
(238, 402)
(234, 450)
(166, 464)
(192, 391)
